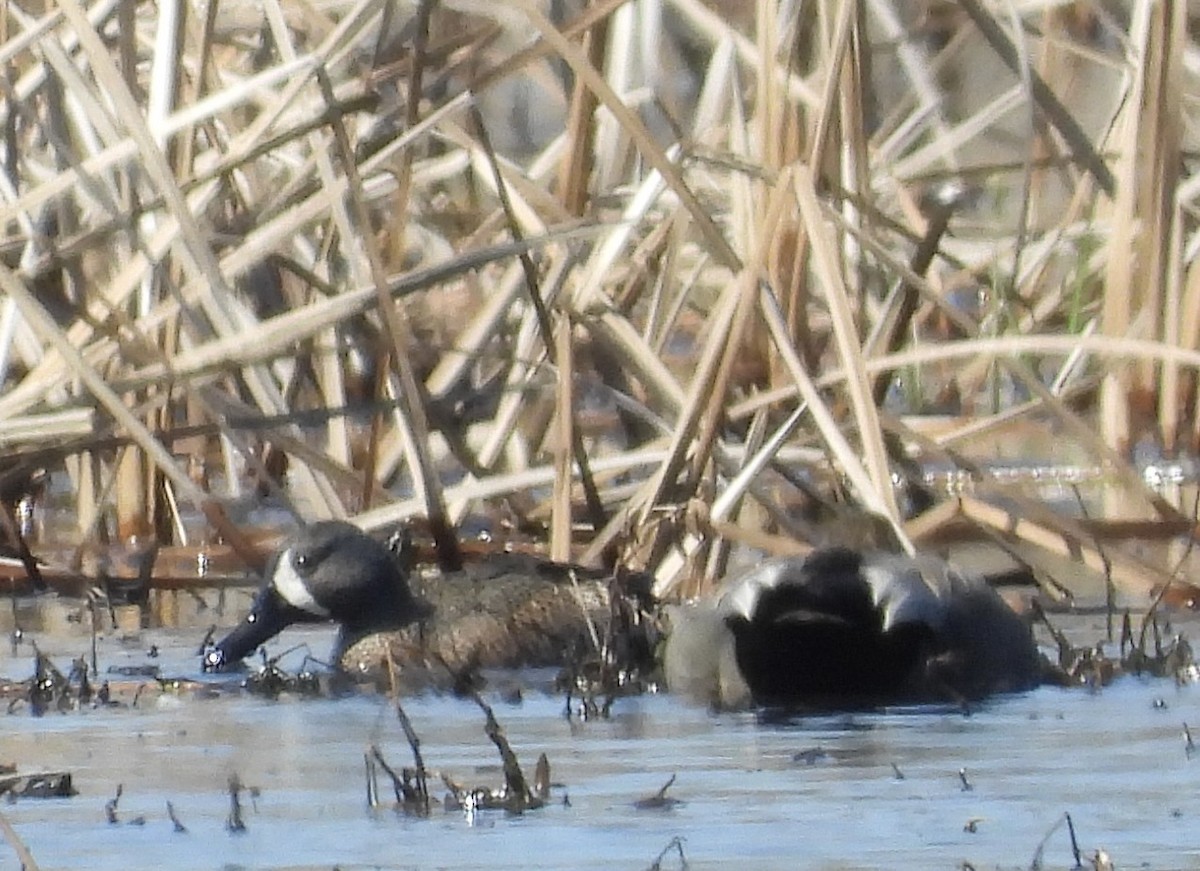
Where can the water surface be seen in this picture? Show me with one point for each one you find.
(777, 792)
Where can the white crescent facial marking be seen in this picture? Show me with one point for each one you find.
(291, 586)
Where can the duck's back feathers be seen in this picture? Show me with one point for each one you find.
(484, 619)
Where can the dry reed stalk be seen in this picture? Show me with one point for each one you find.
(636, 221)
(829, 279)
(578, 157)
(1169, 387)
(1172, 47)
(1119, 295)
(695, 432)
(969, 430)
(143, 149)
(948, 148)
(725, 504)
(1043, 265)
(523, 374)
(769, 116)
(847, 458)
(1024, 519)
(1190, 336)
(634, 128)
(28, 863)
(701, 388)
(711, 26)
(1132, 480)
(557, 344)
(412, 405)
(1118, 349)
(1048, 402)
(505, 484)
(1013, 347)
(922, 100)
(44, 325)
(720, 549)
(1058, 115)
(47, 426)
(1129, 573)
(844, 16)
(274, 337)
(566, 438)
(193, 250)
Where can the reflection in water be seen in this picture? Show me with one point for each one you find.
(870, 790)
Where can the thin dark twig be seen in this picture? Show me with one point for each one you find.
(110, 806)
(1055, 111)
(1152, 611)
(676, 843)
(1075, 852)
(397, 780)
(1110, 588)
(180, 828)
(411, 390)
(415, 744)
(234, 823)
(545, 327)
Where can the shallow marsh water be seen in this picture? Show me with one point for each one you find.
(776, 792)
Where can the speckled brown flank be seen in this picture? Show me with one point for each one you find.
(506, 620)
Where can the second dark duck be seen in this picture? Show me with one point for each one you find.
(835, 629)
(844, 629)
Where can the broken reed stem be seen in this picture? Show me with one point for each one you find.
(514, 779)
(28, 863)
(414, 743)
(849, 348)
(372, 782)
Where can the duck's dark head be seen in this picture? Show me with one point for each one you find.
(328, 571)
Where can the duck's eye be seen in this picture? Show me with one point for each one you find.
(302, 560)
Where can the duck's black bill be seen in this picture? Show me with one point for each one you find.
(269, 615)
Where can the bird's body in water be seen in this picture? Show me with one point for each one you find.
(840, 628)
(507, 612)
(499, 614)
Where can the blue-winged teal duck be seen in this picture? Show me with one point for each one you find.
(840, 628)
(507, 612)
